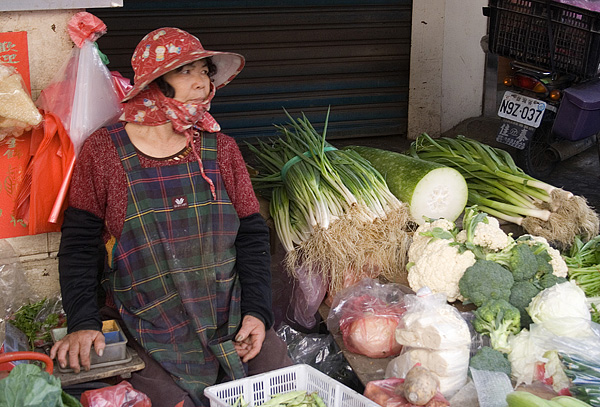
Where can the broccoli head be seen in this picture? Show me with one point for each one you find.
(544, 266)
(519, 258)
(491, 360)
(520, 296)
(485, 280)
(548, 280)
(498, 319)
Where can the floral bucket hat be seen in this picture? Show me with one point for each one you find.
(168, 48)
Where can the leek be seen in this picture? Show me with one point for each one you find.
(502, 189)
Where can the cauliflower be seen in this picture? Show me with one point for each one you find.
(422, 236)
(559, 266)
(487, 235)
(440, 267)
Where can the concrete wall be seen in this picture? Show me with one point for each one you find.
(48, 41)
(447, 64)
(49, 45)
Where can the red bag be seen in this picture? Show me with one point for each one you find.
(390, 393)
(50, 165)
(119, 395)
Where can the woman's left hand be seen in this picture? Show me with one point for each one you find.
(248, 341)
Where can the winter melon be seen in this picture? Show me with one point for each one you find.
(431, 190)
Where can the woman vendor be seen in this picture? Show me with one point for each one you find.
(167, 198)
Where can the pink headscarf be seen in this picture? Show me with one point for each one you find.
(151, 107)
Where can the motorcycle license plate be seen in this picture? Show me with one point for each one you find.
(514, 134)
(522, 109)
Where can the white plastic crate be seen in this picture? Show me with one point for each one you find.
(258, 389)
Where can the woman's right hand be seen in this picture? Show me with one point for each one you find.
(74, 349)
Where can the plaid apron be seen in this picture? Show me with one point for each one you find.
(173, 275)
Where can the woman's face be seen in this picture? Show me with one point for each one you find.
(191, 82)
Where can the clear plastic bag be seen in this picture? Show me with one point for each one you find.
(14, 291)
(18, 113)
(82, 94)
(316, 350)
(435, 335)
(367, 315)
(119, 395)
(390, 393)
(430, 322)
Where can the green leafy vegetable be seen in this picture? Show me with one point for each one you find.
(36, 320)
(583, 261)
(28, 385)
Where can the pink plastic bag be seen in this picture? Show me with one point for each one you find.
(119, 395)
(308, 294)
(390, 393)
(367, 314)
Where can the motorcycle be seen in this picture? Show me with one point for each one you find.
(529, 113)
(551, 108)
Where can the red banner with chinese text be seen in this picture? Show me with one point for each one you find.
(14, 156)
(14, 151)
(14, 52)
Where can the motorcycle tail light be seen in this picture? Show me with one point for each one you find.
(555, 94)
(529, 83)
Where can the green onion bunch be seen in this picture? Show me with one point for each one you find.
(311, 184)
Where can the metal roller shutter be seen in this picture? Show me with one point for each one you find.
(303, 56)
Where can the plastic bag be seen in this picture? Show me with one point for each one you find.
(44, 176)
(18, 113)
(307, 295)
(430, 322)
(14, 290)
(435, 335)
(390, 393)
(592, 5)
(82, 94)
(122, 84)
(85, 26)
(119, 395)
(321, 352)
(367, 314)
(492, 387)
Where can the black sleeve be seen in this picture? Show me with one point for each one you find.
(254, 268)
(79, 256)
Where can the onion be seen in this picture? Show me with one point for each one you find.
(373, 336)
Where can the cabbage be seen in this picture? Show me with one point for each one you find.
(562, 309)
(28, 385)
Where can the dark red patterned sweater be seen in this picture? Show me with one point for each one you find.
(97, 208)
(99, 182)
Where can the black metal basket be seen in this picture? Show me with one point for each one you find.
(546, 34)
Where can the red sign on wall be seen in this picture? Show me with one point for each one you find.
(14, 52)
(14, 151)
